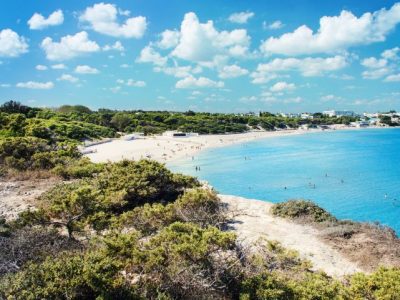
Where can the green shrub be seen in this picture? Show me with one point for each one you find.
(302, 209)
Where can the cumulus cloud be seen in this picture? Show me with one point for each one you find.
(241, 17)
(41, 68)
(70, 46)
(282, 86)
(232, 71)
(179, 71)
(117, 46)
(35, 85)
(386, 65)
(374, 63)
(202, 42)
(37, 21)
(336, 33)
(85, 69)
(191, 82)
(59, 67)
(274, 25)
(169, 39)
(11, 44)
(309, 66)
(149, 55)
(131, 82)
(103, 18)
(391, 54)
(393, 78)
(68, 77)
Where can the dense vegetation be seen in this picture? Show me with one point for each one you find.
(135, 230)
(79, 122)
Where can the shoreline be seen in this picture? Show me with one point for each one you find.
(172, 149)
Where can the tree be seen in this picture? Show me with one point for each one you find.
(120, 121)
(14, 107)
(67, 205)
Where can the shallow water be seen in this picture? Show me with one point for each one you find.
(353, 174)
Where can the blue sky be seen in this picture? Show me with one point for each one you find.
(219, 56)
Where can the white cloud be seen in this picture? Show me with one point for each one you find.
(41, 68)
(103, 18)
(131, 82)
(393, 78)
(149, 55)
(68, 77)
(59, 67)
(241, 17)
(117, 46)
(70, 46)
(309, 66)
(336, 33)
(282, 86)
(169, 39)
(124, 66)
(191, 82)
(11, 44)
(391, 54)
(35, 85)
(262, 77)
(201, 42)
(232, 71)
(85, 69)
(374, 63)
(5, 85)
(179, 71)
(379, 67)
(37, 21)
(274, 25)
(135, 83)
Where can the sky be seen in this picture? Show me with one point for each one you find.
(209, 55)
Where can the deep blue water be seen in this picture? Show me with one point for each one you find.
(356, 173)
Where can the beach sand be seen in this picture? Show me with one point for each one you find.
(254, 220)
(164, 148)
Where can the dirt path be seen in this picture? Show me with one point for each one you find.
(17, 196)
(255, 221)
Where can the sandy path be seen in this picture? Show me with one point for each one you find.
(17, 196)
(256, 221)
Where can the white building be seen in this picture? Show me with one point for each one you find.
(179, 134)
(339, 113)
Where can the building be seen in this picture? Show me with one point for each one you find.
(306, 116)
(339, 113)
(179, 134)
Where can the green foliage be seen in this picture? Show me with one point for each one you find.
(302, 209)
(78, 168)
(97, 202)
(264, 287)
(33, 153)
(382, 284)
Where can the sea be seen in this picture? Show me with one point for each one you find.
(354, 174)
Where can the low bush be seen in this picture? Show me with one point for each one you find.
(302, 209)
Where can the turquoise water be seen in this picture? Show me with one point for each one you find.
(356, 173)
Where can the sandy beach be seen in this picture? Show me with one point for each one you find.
(164, 148)
(167, 149)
